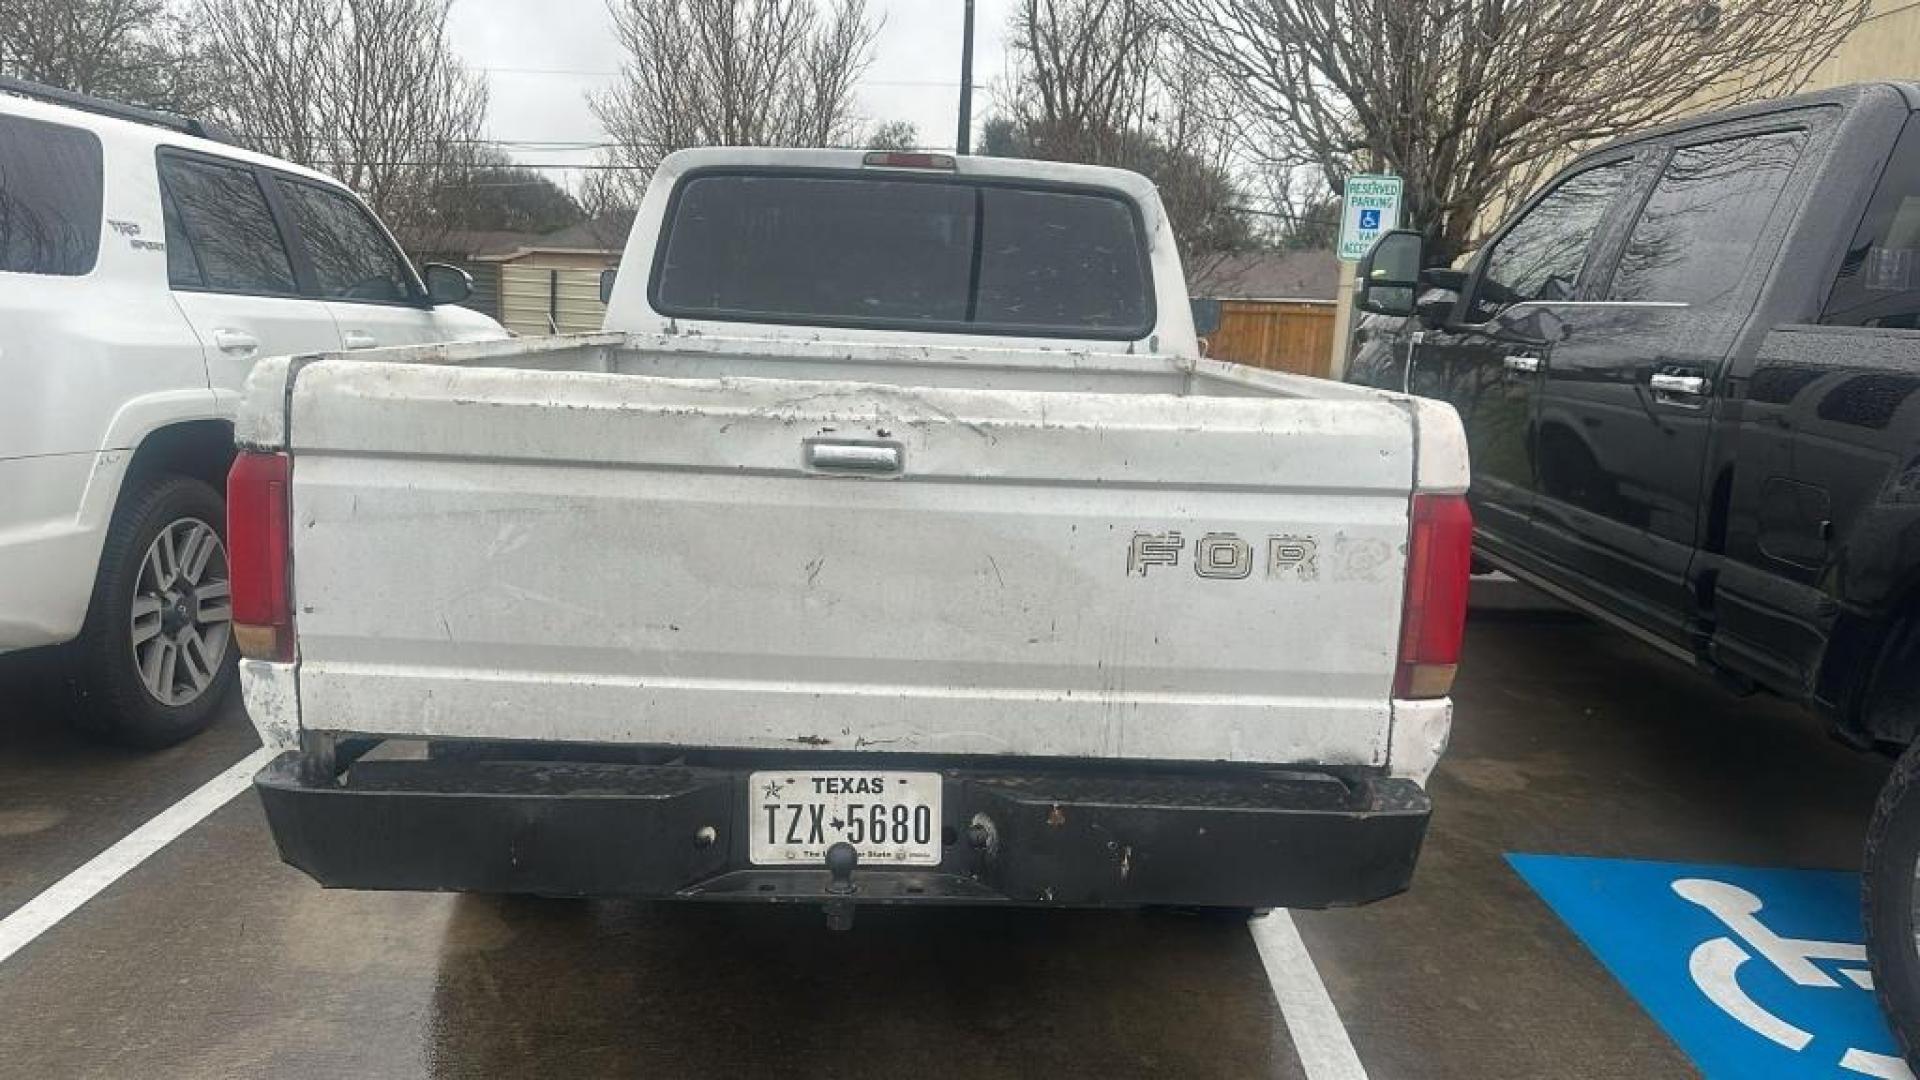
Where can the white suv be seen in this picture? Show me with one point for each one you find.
(143, 270)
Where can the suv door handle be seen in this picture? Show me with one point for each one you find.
(235, 341)
(358, 339)
(1527, 364)
(1684, 385)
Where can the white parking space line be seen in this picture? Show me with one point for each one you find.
(1326, 1053)
(65, 896)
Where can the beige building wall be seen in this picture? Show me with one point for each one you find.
(1886, 46)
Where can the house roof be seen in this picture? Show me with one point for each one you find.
(500, 245)
(480, 243)
(1267, 275)
(598, 236)
(586, 238)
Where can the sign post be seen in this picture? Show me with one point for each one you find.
(1371, 207)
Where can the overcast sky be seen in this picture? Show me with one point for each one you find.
(541, 57)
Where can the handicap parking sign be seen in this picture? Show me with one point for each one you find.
(1369, 206)
(1753, 972)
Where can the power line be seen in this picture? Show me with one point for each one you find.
(556, 165)
(535, 146)
(595, 74)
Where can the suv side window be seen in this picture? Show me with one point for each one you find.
(183, 266)
(1879, 282)
(1694, 240)
(50, 181)
(1541, 256)
(351, 256)
(221, 214)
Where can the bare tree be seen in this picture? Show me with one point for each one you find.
(732, 73)
(893, 135)
(494, 193)
(368, 90)
(1084, 72)
(1471, 101)
(610, 202)
(129, 50)
(1103, 82)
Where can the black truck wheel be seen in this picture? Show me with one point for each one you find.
(1890, 894)
(157, 654)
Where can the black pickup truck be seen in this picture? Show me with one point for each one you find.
(1689, 369)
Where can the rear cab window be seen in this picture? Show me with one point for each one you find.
(822, 248)
(50, 198)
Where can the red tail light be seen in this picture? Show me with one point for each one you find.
(1439, 558)
(258, 556)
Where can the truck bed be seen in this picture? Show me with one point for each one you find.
(624, 538)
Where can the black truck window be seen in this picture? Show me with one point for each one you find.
(1696, 236)
(1541, 256)
(1879, 282)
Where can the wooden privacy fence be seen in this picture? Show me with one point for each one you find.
(538, 297)
(1285, 335)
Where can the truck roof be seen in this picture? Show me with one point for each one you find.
(1059, 172)
(1907, 94)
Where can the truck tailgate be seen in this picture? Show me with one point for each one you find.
(501, 553)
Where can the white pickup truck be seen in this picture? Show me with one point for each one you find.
(894, 544)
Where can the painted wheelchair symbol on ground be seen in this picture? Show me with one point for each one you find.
(1752, 972)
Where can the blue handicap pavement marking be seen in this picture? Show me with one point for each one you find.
(1753, 972)
(1369, 220)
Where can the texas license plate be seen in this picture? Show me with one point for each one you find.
(890, 818)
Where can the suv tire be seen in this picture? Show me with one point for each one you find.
(1889, 894)
(156, 656)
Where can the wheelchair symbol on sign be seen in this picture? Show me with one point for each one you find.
(1715, 966)
(1369, 220)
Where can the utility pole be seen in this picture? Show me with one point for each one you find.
(963, 142)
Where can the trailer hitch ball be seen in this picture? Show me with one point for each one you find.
(842, 858)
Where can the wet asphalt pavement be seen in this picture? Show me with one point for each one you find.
(214, 960)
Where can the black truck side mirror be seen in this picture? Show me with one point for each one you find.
(1389, 274)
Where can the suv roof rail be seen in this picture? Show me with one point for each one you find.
(199, 129)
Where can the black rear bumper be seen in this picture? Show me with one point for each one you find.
(1219, 837)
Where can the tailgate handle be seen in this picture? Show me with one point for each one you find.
(853, 457)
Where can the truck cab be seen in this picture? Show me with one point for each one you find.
(1685, 371)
